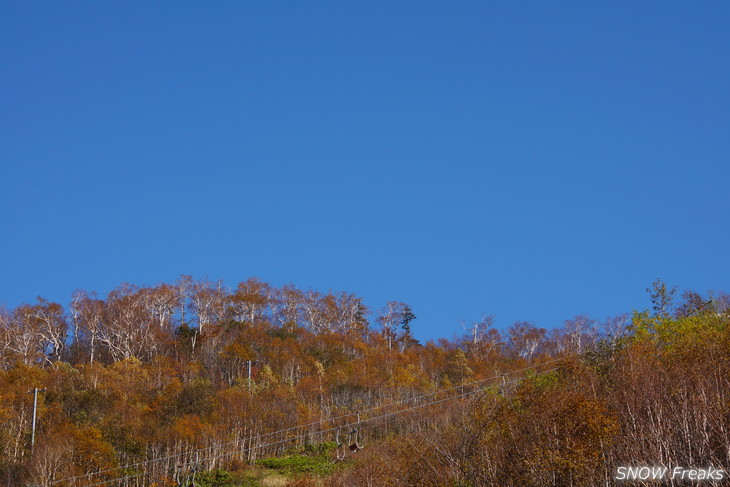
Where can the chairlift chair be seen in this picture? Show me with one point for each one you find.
(355, 446)
(340, 451)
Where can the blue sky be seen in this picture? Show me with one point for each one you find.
(532, 160)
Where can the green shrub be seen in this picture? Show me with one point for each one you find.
(215, 478)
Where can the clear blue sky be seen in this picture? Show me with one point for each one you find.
(533, 160)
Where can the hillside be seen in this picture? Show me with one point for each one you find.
(190, 382)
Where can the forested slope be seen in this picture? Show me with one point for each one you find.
(151, 384)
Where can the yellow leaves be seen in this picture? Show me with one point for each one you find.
(572, 435)
(267, 376)
(319, 368)
(405, 376)
(307, 412)
(585, 423)
(130, 369)
(457, 367)
(23, 377)
(92, 450)
(555, 428)
(238, 350)
(190, 429)
(71, 450)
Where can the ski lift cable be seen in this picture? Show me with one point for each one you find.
(287, 440)
(367, 420)
(314, 423)
(285, 430)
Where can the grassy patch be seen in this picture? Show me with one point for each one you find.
(222, 478)
(297, 464)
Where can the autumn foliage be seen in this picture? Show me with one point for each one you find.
(152, 384)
